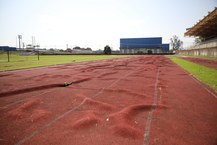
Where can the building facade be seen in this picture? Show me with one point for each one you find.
(7, 48)
(143, 45)
(206, 30)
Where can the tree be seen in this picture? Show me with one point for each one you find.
(51, 49)
(88, 48)
(176, 43)
(107, 50)
(77, 47)
(149, 52)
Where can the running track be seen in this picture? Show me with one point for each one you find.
(142, 100)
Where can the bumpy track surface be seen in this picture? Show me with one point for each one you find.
(204, 62)
(142, 100)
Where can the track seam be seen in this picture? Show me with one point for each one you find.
(150, 115)
(66, 113)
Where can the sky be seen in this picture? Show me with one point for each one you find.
(97, 23)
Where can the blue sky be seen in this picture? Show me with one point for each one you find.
(96, 23)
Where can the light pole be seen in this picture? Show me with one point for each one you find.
(19, 37)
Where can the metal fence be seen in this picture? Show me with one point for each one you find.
(8, 56)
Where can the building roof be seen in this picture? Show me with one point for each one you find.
(205, 28)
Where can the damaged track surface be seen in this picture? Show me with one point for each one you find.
(143, 100)
(204, 62)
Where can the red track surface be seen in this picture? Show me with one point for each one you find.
(205, 62)
(133, 101)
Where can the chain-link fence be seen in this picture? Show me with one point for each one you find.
(13, 56)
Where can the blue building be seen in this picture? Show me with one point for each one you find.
(7, 48)
(136, 45)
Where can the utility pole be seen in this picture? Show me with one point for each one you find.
(33, 42)
(20, 38)
(23, 45)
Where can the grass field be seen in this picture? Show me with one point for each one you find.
(204, 74)
(21, 62)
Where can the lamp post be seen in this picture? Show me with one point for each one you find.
(19, 37)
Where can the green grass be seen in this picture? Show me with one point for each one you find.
(204, 74)
(21, 62)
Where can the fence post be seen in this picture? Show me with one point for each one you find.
(8, 56)
(38, 54)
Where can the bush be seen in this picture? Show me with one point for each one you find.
(149, 51)
(107, 50)
(140, 52)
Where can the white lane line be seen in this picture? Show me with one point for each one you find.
(203, 86)
(66, 113)
(150, 115)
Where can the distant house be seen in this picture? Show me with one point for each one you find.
(143, 45)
